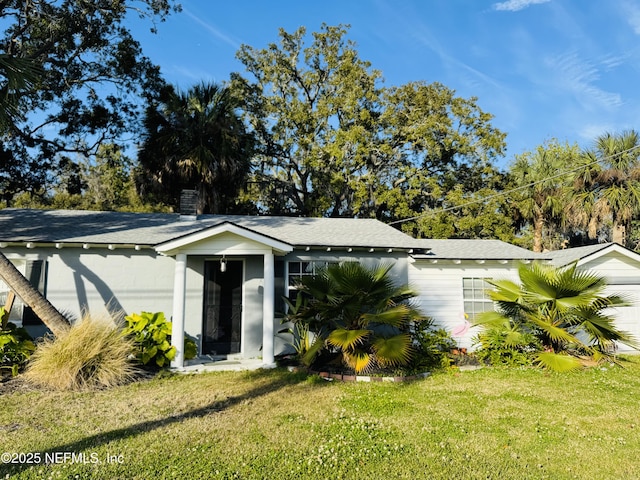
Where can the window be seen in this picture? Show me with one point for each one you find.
(475, 295)
(297, 270)
(36, 272)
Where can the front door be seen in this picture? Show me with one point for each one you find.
(222, 308)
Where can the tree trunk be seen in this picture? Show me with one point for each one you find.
(51, 317)
(538, 226)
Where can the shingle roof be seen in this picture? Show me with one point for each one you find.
(568, 255)
(82, 226)
(476, 250)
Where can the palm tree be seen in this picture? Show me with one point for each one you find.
(544, 188)
(21, 74)
(564, 308)
(195, 139)
(359, 313)
(611, 184)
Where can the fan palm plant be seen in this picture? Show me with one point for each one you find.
(565, 308)
(359, 313)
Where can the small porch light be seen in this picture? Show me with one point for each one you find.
(223, 264)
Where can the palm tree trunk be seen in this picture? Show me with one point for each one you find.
(538, 226)
(619, 234)
(51, 317)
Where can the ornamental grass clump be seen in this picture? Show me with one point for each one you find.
(93, 353)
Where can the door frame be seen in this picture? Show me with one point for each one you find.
(242, 298)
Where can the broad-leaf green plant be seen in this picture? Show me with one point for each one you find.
(565, 308)
(152, 335)
(358, 313)
(16, 345)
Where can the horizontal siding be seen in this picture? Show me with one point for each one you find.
(618, 269)
(440, 287)
(123, 280)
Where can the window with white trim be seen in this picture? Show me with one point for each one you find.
(297, 270)
(475, 293)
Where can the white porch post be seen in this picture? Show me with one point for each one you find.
(179, 293)
(268, 306)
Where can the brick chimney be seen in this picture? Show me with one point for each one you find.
(188, 205)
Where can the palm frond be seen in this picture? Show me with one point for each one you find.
(358, 359)
(394, 316)
(557, 362)
(347, 339)
(393, 351)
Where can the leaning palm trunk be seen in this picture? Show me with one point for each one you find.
(51, 317)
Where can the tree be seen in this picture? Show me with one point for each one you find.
(545, 182)
(359, 312)
(564, 308)
(92, 75)
(610, 184)
(20, 77)
(334, 142)
(195, 139)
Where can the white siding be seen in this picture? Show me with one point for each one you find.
(440, 287)
(623, 277)
(99, 283)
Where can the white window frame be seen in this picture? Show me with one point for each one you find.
(475, 296)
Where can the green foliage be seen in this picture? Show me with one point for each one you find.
(432, 346)
(507, 346)
(195, 139)
(76, 48)
(609, 187)
(334, 142)
(93, 353)
(151, 333)
(359, 314)
(563, 308)
(16, 345)
(545, 196)
(302, 339)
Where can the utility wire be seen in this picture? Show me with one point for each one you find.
(507, 192)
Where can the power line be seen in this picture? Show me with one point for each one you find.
(522, 187)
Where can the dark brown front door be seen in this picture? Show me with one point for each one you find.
(222, 308)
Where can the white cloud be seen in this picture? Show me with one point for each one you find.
(632, 12)
(590, 132)
(580, 77)
(515, 5)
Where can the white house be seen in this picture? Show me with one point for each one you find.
(222, 278)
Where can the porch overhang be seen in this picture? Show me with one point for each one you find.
(226, 238)
(231, 240)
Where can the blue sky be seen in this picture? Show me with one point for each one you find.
(565, 69)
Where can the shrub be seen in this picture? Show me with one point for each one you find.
(16, 346)
(151, 333)
(432, 346)
(93, 353)
(567, 311)
(506, 346)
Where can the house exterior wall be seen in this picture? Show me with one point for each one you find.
(101, 281)
(623, 278)
(441, 291)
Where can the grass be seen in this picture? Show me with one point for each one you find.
(489, 423)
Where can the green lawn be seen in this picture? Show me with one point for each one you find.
(490, 423)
